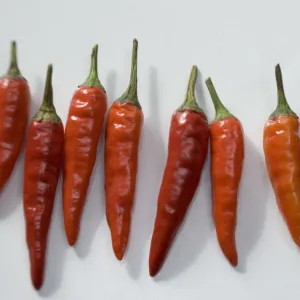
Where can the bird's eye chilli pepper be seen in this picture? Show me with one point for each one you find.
(282, 154)
(44, 149)
(14, 110)
(123, 128)
(187, 151)
(83, 129)
(227, 156)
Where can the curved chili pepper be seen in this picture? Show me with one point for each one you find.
(188, 143)
(14, 109)
(227, 156)
(44, 149)
(83, 129)
(123, 128)
(282, 155)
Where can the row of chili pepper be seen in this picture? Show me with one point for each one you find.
(48, 146)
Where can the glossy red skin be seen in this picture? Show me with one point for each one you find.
(83, 129)
(44, 149)
(123, 129)
(14, 107)
(188, 144)
(282, 154)
(227, 156)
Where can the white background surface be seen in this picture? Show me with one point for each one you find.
(236, 42)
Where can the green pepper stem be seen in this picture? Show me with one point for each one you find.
(190, 99)
(221, 110)
(47, 110)
(93, 79)
(283, 107)
(279, 81)
(13, 70)
(130, 95)
(281, 101)
(190, 94)
(47, 103)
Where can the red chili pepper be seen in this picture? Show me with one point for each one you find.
(44, 148)
(282, 154)
(83, 128)
(14, 108)
(123, 128)
(227, 156)
(188, 143)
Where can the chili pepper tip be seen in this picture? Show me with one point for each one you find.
(153, 271)
(72, 235)
(119, 254)
(37, 284)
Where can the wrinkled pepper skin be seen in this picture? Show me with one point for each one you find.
(282, 149)
(43, 158)
(227, 156)
(82, 133)
(122, 136)
(14, 110)
(187, 151)
(123, 130)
